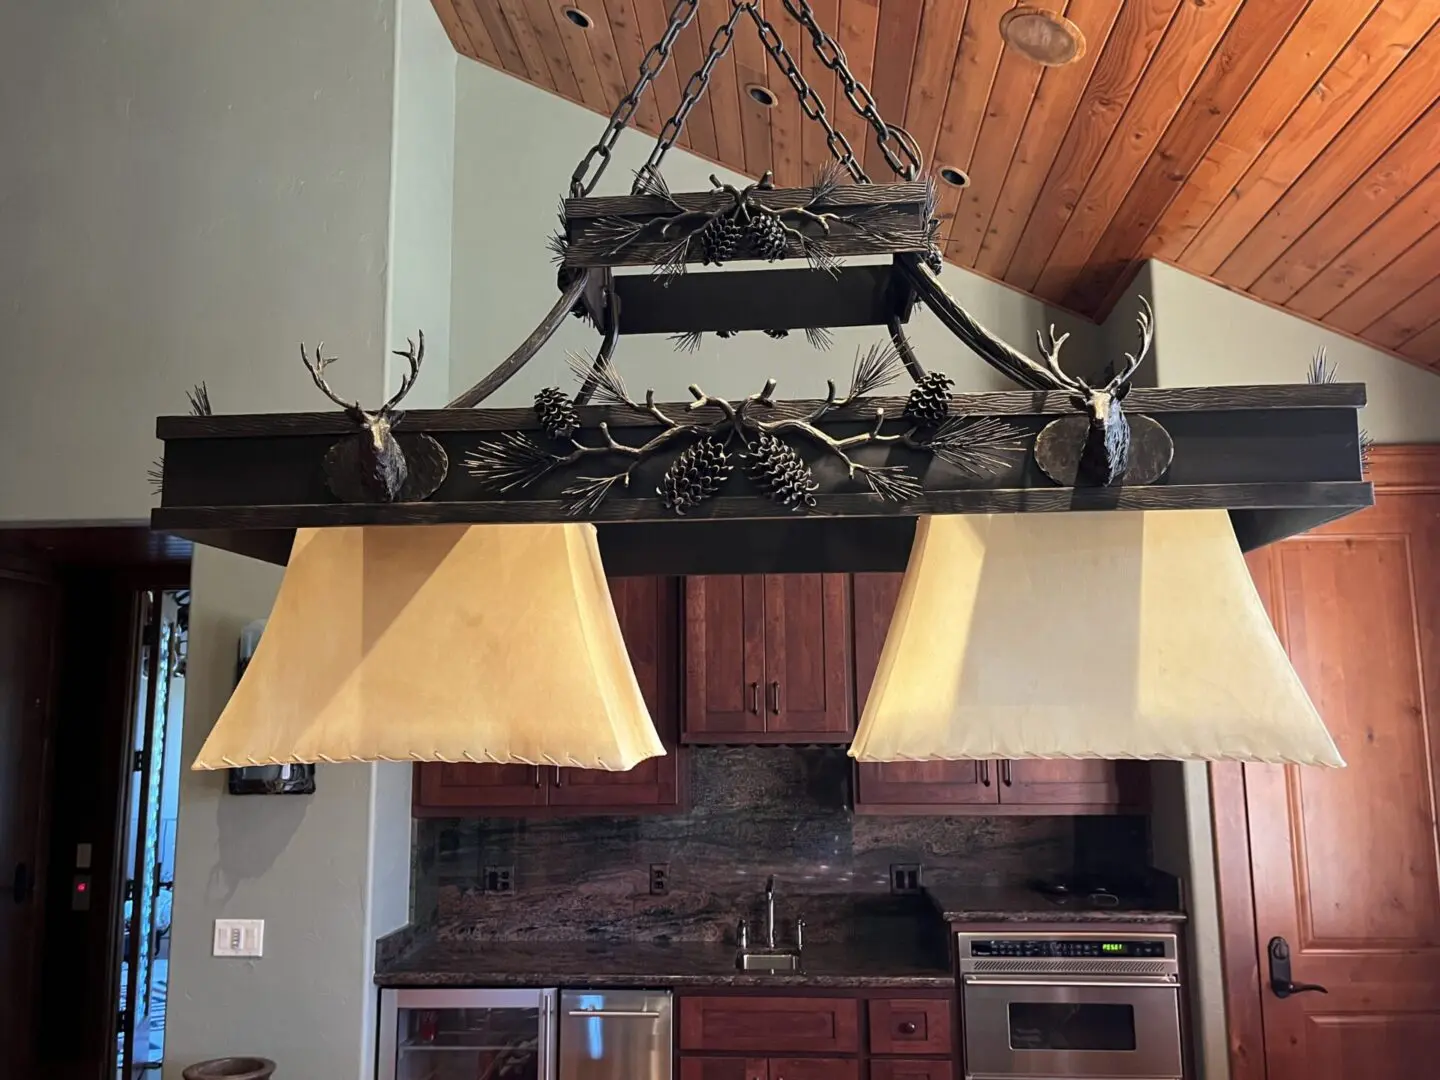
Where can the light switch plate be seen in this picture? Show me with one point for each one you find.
(239, 937)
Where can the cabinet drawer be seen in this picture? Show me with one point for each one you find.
(910, 1026)
(709, 1068)
(910, 1069)
(770, 1025)
(814, 1069)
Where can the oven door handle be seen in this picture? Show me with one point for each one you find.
(1126, 981)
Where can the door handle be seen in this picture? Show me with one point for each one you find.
(985, 774)
(1006, 776)
(21, 883)
(1280, 982)
(775, 697)
(755, 698)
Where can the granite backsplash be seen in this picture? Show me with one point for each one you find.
(756, 811)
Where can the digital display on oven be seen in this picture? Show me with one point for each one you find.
(1042, 947)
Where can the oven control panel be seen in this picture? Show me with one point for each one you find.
(1120, 948)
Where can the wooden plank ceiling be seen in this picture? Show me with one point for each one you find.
(1288, 149)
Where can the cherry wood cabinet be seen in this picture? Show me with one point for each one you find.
(768, 659)
(976, 787)
(770, 1025)
(720, 1068)
(755, 1035)
(648, 609)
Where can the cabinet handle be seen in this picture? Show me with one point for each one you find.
(755, 698)
(985, 774)
(558, 779)
(908, 1028)
(775, 697)
(537, 776)
(1006, 777)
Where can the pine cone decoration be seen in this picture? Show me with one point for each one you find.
(934, 260)
(695, 476)
(777, 334)
(556, 413)
(720, 239)
(779, 471)
(766, 235)
(929, 402)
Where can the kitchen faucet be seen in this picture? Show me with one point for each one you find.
(768, 957)
(770, 912)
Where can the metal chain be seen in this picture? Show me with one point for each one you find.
(810, 103)
(582, 182)
(694, 90)
(889, 137)
(906, 163)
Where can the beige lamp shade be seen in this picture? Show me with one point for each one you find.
(487, 643)
(1076, 635)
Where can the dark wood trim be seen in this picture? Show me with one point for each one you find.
(996, 809)
(1147, 400)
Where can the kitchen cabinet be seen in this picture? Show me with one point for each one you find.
(768, 659)
(718, 1068)
(648, 610)
(742, 1035)
(1089, 786)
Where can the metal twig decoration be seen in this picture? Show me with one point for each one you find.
(740, 439)
(375, 464)
(816, 336)
(735, 226)
(1321, 372)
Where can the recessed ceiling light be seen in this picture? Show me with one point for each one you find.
(954, 177)
(763, 94)
(578, 17)
(1043, 36)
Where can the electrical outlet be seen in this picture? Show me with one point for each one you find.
(500, 879)
(659, 878)
(905, 877)
(239, 937)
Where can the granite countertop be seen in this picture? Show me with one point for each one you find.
(962, 904)
(609, 964)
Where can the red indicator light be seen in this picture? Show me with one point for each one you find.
(81, 886)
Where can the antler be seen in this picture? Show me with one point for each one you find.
(1050, 349)
(1145, 319)
(414, 355)
(317, 372)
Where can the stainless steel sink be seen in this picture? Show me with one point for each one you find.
(768, 961)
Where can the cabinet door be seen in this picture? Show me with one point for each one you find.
(814, 1069)
(923, 787)
(446, 789)
(909, 787)
(718, 1068)
(648, 609)
(724, 658)
(911, 1069)
(807, 658)
(769, 1025)
(1090, 784)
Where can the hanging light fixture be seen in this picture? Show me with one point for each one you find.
(488, 643)
(1107, 635)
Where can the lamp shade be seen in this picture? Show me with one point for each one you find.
(1107, 635)
(487, 643)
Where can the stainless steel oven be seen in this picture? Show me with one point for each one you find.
(1070, 1005)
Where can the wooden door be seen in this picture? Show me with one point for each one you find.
(724, 658)
(1090, 784)
(903, 787)
(648, 609)
(26, 626)
(724, 1068)
(1343, 862)
(807, 658)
